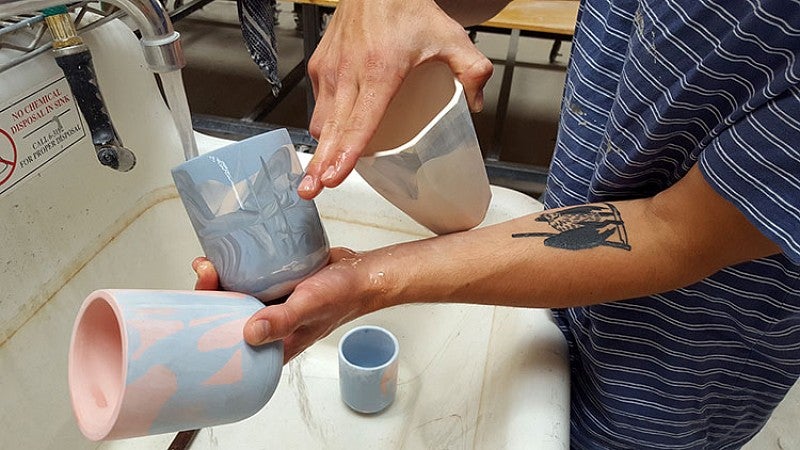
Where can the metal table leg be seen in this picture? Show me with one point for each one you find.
(554, 51)
(312, 32)
(502, 101)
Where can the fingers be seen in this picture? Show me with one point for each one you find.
(334, 121)
(345, 121)
(316, 306)
(339, 253)
(295, 344)
(207, 277)
(472, 69)
(373, 99)
(274, 322)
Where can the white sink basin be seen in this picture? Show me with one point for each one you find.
(470, 376)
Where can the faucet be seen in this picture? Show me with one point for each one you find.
(163, 53)
(160, 42)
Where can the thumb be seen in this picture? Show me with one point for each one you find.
(270, 324)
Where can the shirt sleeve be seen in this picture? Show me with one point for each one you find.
(755, 164)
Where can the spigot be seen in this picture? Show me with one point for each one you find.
(116, 157)
(75, 60)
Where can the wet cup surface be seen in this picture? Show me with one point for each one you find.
(242, 200)
(368, 362)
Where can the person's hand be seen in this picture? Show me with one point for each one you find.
(367, 50)
(336, 294)
(207, 277)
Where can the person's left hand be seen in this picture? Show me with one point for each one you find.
(336, 294)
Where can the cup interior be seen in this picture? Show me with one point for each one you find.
(426, 92)
(96, 368)
(369, 347)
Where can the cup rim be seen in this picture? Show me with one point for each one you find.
(459, 89)
(99, 433)
(390, 361)
(201, 158)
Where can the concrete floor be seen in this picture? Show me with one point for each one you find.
(222, 80)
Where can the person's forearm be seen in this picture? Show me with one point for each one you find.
(528, 262)
(472, 12)
(572, 256)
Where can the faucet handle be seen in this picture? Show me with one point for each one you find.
(76, 63)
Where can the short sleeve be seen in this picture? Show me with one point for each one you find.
(755, 164)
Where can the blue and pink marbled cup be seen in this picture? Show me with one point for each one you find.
(146, 362)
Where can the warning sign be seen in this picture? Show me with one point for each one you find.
(36, 129)
(8, 157)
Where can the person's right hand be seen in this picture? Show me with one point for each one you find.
(366, 52)
(348, 287)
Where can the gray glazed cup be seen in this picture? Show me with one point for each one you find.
(242, 200)
(368, 359)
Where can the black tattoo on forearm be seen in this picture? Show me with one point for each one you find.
(582, 227)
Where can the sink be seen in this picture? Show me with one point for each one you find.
(470, 376)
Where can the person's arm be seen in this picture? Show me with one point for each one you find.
(558, 258)
(365, 53)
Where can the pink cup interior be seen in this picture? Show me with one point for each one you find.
(97, 366)
(425, 92)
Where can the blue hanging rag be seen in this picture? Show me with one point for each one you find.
(257, 18)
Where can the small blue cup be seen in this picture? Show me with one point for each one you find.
(368, 359)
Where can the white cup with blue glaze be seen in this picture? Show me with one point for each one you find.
(424, 157)
(368, 362)
(242, 200)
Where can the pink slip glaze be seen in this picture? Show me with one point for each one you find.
(209, 319)
(152, 331)
(104, 406)
(144, 399)
(226, 335)
(97, 368)
(230, 373)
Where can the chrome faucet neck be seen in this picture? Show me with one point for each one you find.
(160, 42)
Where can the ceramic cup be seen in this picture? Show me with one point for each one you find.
(242, 200)
(424, 157)
(368, 358)
(145, 362)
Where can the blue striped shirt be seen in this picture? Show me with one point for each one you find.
(653, 87)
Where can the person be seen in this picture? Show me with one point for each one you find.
(669, 250)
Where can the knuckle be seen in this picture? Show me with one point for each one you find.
(356, 123)
(375, 68)
(314, 127)
(313, 67)
(330, 126)
(480, 69)
(344, 69)
(289, 319)
(484, 68)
